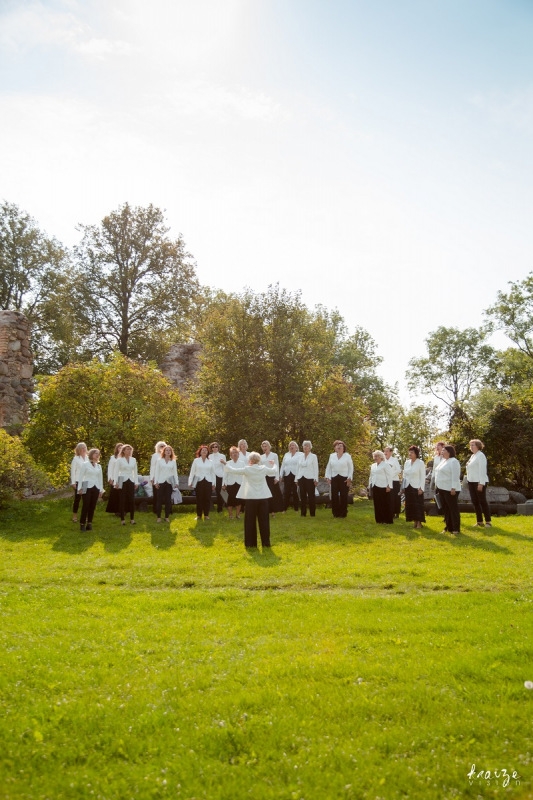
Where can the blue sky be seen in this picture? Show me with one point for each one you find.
(375, 155)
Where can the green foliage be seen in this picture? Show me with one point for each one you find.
(18, 470)
(457, 364)
(508, 439)
(513, 314)
(138, 288)
(402, 427)
(271, 369)
(102, 403)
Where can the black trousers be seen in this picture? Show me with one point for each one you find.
(479, 500)
(88, 504)
(275, 503)
(395, 499)
(307, 495)
(256, 513)
(127, 502)
(450, 506)
(290, 492)
(77, 498)
(220, 501)
(164, 498)
(339, 496)
(382, 504)
(203, 497)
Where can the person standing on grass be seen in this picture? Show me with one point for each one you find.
(414, 482)
(80, 457)
(156, 456)
(448, 482)
(307, 479)
(437, 458)
(219, 462)
(477, 477)
(91, 488)
(339, 474)
(255, 492)
(381, 483)
(232, 483)
(394, 494)
(288, 471)
(202, 480)
(242, 444)
(126, 480)
(276, 501)
(165, 480)
(112, 506)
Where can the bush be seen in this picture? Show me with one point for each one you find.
(18, 471)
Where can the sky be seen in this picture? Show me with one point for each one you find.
(376, 156)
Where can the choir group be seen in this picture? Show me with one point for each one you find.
(252, 480)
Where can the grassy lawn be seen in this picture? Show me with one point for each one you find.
(351, 661)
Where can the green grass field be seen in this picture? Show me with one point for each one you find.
(351, 661)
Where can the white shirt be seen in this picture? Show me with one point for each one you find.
(340, 466)
(476, 468)
(230, 476)
(218, 459)
(396, 467)
(166, 472)
(414, 473)
(75, 466)
(201, 470)
(381, 474)
(153, 461)
(92, 473)
(254, 485)
(111, 468)
(448, 475)
(308, 467)
(271, 457)
(436, 461)
(127, 470)
(290, 463)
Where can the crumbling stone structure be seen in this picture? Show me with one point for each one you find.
(16, 368)
(181, 364)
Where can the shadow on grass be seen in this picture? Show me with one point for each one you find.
(263, 558)
(163, 538)
(74, 542)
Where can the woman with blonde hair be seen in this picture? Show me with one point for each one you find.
(381, 482)
(91, 488)
(219, 462)
(339, 474)
(307, 479)
(126, 480)
(112, 506)
(166, 479)
(288, 472)
(255, 492)
(275, 503)
(156, 456)
(232, 483)
(80, 457)
(477, 477)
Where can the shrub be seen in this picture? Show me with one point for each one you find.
(18, 471)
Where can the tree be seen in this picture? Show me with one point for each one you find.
(139, 286)
(401, 427)
(269, 370)
(508, 439)
(103, 403)
(457, 363)
(513, 314)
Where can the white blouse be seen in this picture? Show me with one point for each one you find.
(476, 468)
(166, 472)
(448, 475)
(231, 477)
(92, 474)
(254, 485)
(111, 468)
(308, 467)
(153, 461)
(271, 457)
(414, 473)
(201, 470)
(127, 470)
(340, 466)
(396, 467)
(290, 463)
(75, 466)
(381, 475)
(219, 461)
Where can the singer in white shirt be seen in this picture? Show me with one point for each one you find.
(219, 462)
(394, 494)
(477, 477)
(288, 471)
(80, 456)
(156, 455)
(382, 484)
(307, 479)
(339, 474)
(255, 492)
(203, 480)
(165, 480)
(414, 482)
(232, 482)
(91, 488)
(448, 482)
(126, 481)
(275, 503)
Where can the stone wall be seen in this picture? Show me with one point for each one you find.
(16, 368)
(181, 364)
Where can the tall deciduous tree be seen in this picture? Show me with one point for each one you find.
(513, 313)
(457, 363)
(139, 286)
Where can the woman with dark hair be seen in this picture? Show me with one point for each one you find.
(275, 503)
(219, 462)
(381, 481)
(477, 477)
(448, 482)
(307, 479)
(394, 494)
(91, 476)
(126, 480)
(339, 474)
(414, 481)
(165, 480)
(202, 480)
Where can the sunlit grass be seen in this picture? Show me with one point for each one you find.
(353, 660)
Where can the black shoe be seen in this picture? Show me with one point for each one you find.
(82, 527)
(89, 526)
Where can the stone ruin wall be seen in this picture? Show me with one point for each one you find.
(16, 368)
(181, 364)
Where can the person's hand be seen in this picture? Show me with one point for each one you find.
(224, 487)
(316, 483)
(328, 480)
(348, 481)
(276, 480)
(156, 486)
(387, 489)
(452, 492)
(420, 491)
(480, 487)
